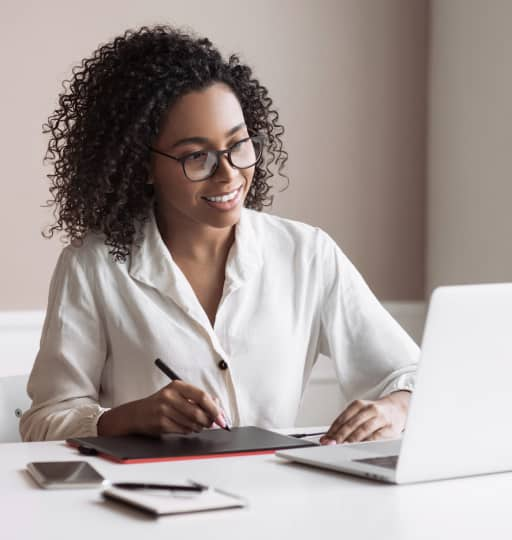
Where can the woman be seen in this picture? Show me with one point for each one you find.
(163, 153)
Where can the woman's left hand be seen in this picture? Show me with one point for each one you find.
(370, 420)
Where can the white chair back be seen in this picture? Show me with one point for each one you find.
(20, 332)
(14, 401)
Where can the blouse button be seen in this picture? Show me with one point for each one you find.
(222, 365)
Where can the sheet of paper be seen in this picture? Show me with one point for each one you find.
(162, 502)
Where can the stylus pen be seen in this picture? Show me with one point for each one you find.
(169, 487)
(162, 366)
(302, 435)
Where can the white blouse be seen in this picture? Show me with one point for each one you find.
(289, 294)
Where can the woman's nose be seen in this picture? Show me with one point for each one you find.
(225, 171)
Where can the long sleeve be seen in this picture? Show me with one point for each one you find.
(65, 381)
(373, 355)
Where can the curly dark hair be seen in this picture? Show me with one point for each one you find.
(110, 112)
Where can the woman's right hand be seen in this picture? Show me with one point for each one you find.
(179, 407)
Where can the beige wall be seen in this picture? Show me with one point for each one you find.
(470, 136)
(348, 77)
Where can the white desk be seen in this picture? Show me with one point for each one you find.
(285, 501)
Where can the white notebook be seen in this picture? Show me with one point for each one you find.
(160, 502)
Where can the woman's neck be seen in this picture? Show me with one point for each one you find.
(194, 241)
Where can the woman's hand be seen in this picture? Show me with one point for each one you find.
(370, 420)
(177, 408)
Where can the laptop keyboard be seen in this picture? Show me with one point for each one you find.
(389, 462)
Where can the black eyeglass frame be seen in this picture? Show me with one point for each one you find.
(217, 153)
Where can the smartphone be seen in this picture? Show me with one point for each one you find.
(65, 474)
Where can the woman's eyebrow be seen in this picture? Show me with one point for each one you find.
(202, 140)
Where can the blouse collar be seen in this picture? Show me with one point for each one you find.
(152, 263)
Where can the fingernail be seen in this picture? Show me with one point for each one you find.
(220, 421)
(327, 441)
(228, 427)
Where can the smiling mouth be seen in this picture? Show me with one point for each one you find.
(224, 198)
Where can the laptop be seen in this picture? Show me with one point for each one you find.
(459, 421)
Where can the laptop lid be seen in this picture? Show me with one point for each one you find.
(459, 417)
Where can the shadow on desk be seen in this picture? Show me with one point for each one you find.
(124, 510)
(345, 477)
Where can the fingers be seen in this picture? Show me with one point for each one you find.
(166, 425)
(189, 411)
(202, 407)
(177, 408)
(187, 422)
(365, 430)
(154, 417)
(348, 414)
(379, 434)
(358, 422)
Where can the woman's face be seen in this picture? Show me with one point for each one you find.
(214, 120)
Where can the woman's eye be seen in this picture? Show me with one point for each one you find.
(196, 156)
(238, 146)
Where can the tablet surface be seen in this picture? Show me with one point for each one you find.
(208, 443)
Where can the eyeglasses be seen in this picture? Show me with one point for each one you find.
(201, 165)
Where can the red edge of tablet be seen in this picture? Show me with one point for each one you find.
(178, 458)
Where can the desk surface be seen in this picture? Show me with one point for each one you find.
(285, 501)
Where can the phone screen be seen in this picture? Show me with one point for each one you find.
(62, 474)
